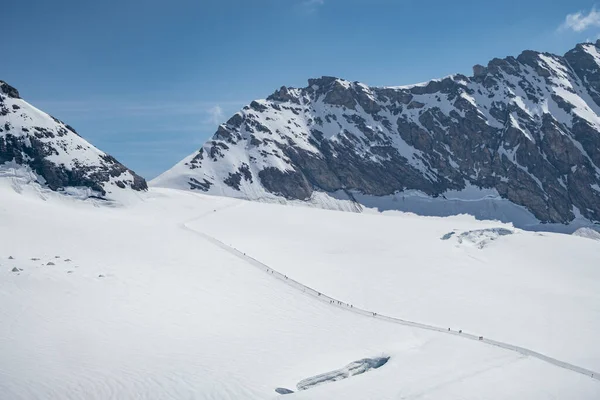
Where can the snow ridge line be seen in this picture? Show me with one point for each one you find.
(356, 310)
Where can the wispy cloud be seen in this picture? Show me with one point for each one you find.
(313, 3)
(310, 6)
(115, 109)
(581, 21)
(215, 115)
(165, 144)
(148, 135)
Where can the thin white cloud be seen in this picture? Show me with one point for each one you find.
(216, 115)
(580, 21)
(311, 6)
(115, 109)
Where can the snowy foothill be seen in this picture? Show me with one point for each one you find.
(137, 301)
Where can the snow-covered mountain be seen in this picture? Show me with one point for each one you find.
(520, 139)
(43, 149)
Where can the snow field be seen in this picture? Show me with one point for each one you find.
(175, 316)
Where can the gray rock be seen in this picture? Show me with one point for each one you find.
(355, 368)
(479, 71)
(447, 236)
(289, 184)
(9, 90)
(482, 237)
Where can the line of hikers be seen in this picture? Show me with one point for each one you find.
(351, 306)
(460, 331)
(339, 302)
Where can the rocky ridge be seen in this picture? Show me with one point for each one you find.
(57, 156)
(526, 129)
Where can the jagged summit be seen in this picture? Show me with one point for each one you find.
(521, 137)
(50, 152)
(9, 90)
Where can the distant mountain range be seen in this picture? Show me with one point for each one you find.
(519, 140)
(55, 154)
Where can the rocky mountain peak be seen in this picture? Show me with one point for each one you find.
(9, 90)
(522, 130)
(51, 151)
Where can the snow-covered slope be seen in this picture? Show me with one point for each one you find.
(523, 129)
(587, 233)
(182, 306)
(37, 147)
(535, 289)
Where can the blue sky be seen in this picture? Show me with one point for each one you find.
(148, 81)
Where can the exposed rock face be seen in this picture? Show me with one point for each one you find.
(527, 128)
(55, 152)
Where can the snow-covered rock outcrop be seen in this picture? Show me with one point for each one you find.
(587, 233)
(525, 129)
(51, 153)
(354, 368)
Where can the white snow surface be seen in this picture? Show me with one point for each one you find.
(138, 302)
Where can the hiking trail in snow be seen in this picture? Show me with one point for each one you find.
(371, 314)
